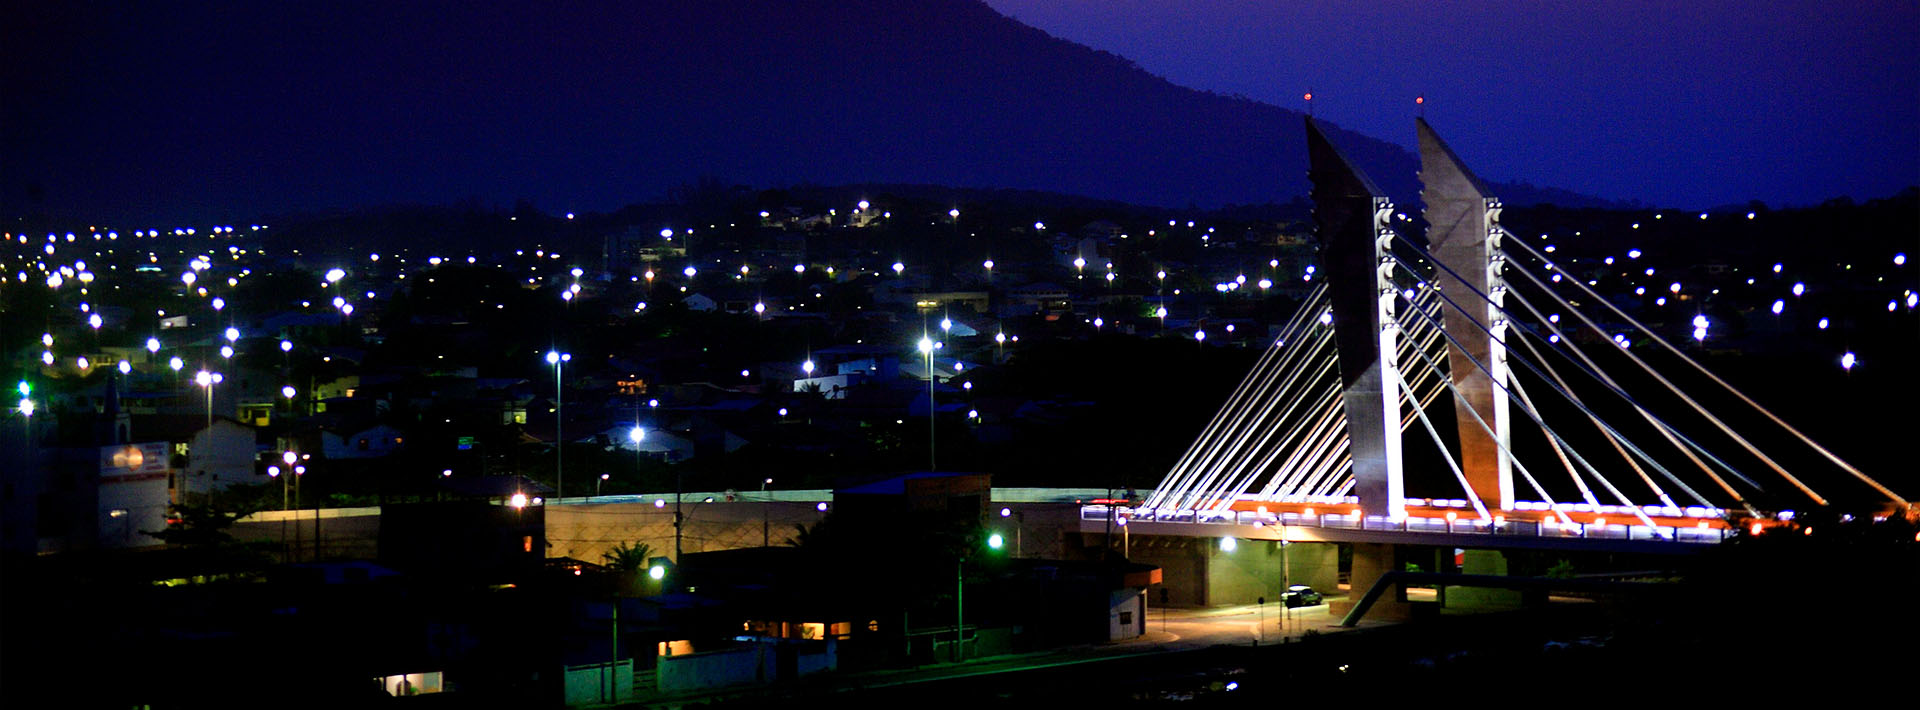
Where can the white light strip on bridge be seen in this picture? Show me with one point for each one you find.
(1667, 429)
(1180, 479)
(1737, 393)
(1281, 484)
(1593, 369)
(1535, 416)
(1234, 437)
(1232, 462)
(1586, 493)
(1532, 413)
(1246, 471)
(1447, 456)
(1614, 432)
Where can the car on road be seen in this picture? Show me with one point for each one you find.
(1300, 595)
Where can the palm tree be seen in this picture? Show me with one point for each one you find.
(627, 557)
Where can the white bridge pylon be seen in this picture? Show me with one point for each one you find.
(1393, 324)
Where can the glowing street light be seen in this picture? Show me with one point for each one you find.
(153, 345)
(926, 348)
(556, 359)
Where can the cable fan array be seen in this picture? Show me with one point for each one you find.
(1282, 436)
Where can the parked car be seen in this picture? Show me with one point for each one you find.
(1300, 595)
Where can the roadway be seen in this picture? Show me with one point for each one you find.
(1168, 631)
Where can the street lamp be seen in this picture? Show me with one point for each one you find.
(764, 504)
(207, 380)
(290, 459)
(926, 348)
(559, 441)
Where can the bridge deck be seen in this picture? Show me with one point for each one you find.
(1411, 530)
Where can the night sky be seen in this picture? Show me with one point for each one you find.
(1685, 104)
(224, 110)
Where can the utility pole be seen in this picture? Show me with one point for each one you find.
(959, 603)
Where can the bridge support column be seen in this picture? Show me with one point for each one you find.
(1353, 223)
(1315, 564)
(1371, 560)
(1483, 562)
(1463, 233)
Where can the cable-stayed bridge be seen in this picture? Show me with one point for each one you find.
(1559, 434)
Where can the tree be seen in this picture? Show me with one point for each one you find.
(627, 557)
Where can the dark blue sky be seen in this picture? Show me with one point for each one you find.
(1694, 103)
(221, 110)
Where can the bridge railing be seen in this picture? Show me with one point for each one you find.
(1522, 528)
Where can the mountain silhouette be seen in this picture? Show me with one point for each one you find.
(257, 107)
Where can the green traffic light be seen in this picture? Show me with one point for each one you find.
(26, 388)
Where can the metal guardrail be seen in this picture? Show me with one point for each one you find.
(1517, 528)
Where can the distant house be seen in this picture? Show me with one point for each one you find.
(1038, 298)
(220, 456)
(701, 303)
(663, 445)
(373, 442)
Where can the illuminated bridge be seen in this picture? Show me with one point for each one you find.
(1528, 405)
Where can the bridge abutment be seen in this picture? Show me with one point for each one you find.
(1371, 561)
(1482, 562)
